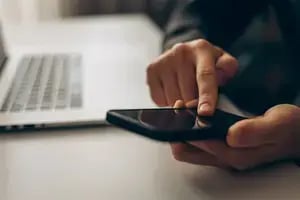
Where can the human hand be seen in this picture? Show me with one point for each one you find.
(192, 70)
(250, 143)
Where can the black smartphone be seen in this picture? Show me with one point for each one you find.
(173, 125)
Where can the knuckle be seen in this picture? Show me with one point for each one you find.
(158, 63)
(204, 72)
(152, 76)
(201, 43)
(151, 69)
(180, 47)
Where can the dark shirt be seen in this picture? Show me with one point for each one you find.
(262, 34)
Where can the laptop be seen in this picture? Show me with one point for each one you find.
(69, 89)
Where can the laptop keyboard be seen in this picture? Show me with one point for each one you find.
(46, 82)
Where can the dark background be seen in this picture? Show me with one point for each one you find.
(158, 10)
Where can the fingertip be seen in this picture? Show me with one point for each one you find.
(192, 103)
(179, 104)
(160, 103)
(205, 109)
(241, 134)
(232, 136)
(179, 151)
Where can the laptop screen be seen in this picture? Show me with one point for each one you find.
(2, 50)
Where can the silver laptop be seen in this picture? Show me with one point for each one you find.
(66, 89)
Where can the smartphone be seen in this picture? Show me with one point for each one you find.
(173, 125)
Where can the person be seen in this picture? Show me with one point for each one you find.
(246, 50)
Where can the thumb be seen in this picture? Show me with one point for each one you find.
(251, 133)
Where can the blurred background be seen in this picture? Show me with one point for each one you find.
(30, 11)
(259, 46)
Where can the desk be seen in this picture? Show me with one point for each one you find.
(110, 164)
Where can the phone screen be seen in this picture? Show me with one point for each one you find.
(180, 119)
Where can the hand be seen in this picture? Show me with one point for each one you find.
(250, 143)
(188, 71)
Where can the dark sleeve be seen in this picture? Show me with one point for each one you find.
(219, 21)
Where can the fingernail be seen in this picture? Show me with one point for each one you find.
(204, 108)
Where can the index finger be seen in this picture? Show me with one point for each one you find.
(207, 80)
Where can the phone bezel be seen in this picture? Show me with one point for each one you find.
(132, 125)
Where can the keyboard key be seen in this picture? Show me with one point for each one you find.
(26, 85)
(62, 95)
(33, 98)
(22, 69)
(46, 82)
(76, 83)
(47, 98)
